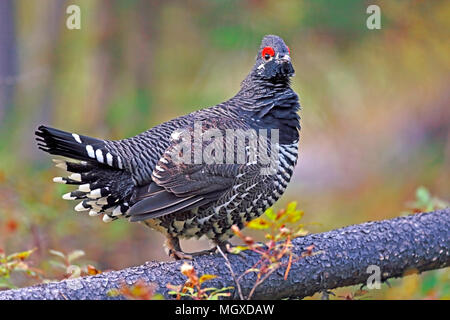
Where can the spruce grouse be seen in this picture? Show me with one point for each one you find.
(198, 174)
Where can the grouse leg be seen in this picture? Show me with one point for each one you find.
(223, 245)
(175, 251)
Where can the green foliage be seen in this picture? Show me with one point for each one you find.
(280, 228)
(19, 263)
(15, 262)
(66, 264)
(140, 290)
(282, 224)
(193, 287)
(425, 202)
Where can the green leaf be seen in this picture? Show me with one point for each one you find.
(158, 296)
(423, 195)
(189, 290)
(57, 253)
(4, 272)
(74, 255)
(430, 281)
(57, 264)
(300, 233)
(271, 214)
(4, 284)
(218, 292)
(206, 277)
(238, 249)
(113, 293)
(295, 216)
(20, 255)
(291, 207)
(258, 224)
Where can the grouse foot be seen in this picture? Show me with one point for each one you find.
(175, 251)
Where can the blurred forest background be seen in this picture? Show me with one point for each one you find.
(375, 108)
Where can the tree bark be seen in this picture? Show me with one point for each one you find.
(420, 242)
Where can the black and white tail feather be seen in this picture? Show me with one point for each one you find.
(104, 187)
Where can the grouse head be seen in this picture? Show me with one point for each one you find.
(273, 61)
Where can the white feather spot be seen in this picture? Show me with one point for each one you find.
(109, 159)
(85, 187)
(288, 155)
(204, 219)
(99, 155)
(95, 194)
(156, 175)
(59, 180)
(107, 218)
(67, 196)
(237, 186)
(75, 176)
(81, 207)
(102, 201)
(93, 213)
(176, 135)
(117, 211)
(217, 209)
(76, 137)
(283, 161)
(90, 151)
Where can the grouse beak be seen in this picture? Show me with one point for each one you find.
(284, 59)
(284, 62)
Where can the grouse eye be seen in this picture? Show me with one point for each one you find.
(267, 53)
(289, 50)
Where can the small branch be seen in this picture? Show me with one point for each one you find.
(420, 242)
(236, 281)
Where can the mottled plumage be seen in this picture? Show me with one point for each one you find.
(142, 178)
